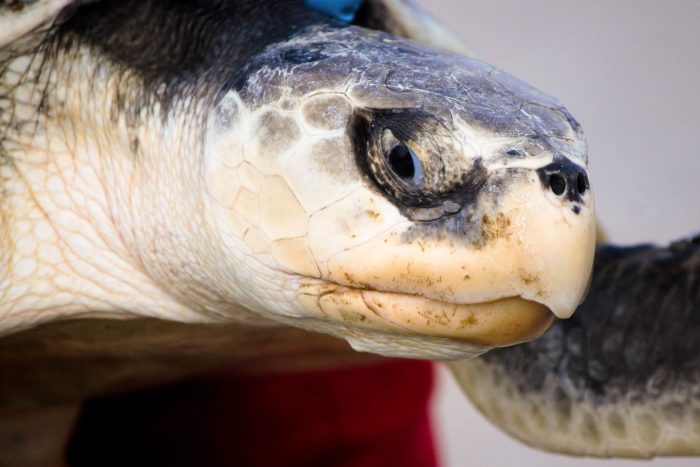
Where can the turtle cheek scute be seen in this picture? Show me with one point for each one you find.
(326, 112)
(278, 173)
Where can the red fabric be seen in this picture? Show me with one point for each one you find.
(370, 416)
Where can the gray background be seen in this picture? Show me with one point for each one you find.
(629, 71)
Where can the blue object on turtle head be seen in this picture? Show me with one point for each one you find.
(343, 10)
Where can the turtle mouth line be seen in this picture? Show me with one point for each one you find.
(493, 323)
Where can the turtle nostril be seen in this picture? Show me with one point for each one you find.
(565, 179)
(581, 183)
(557, 183)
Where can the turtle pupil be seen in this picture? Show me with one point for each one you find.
(401, 161)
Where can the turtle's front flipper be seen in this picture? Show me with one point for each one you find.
(621, 377)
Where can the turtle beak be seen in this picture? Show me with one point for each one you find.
(558, 235)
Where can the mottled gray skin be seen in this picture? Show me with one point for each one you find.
(622, 376)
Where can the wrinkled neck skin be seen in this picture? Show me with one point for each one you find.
(87, 230)
(105, 208)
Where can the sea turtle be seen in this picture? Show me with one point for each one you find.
(179, 177)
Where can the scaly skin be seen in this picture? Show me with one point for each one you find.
(76, 193)
(621, 377)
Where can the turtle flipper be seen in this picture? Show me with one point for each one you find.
(620, 377)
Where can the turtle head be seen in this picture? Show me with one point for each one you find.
(415, 202)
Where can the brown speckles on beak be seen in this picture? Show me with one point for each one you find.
(492, 324)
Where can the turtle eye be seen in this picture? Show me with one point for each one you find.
(399, 151)
(403, 163)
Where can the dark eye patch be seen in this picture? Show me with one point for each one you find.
(410, 155)
(385, 143)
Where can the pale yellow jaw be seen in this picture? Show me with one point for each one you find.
(492, 324)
